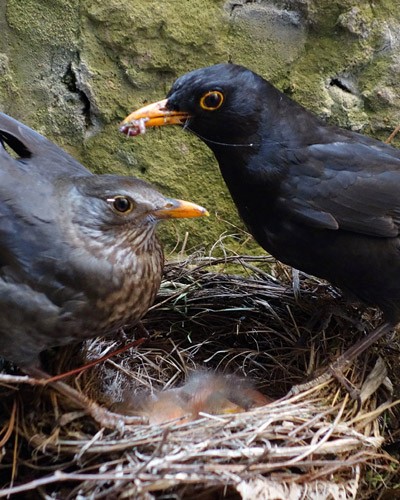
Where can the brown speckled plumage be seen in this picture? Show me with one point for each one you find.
(78, 252)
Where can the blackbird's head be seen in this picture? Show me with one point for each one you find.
(221, 103)
(111, 207)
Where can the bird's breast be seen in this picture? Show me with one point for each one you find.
(135, 288)
(118, 279)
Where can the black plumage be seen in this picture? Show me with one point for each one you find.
(319, 198)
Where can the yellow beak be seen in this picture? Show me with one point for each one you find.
(152, 115)
(179, 209)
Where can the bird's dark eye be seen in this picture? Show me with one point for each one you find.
(212, 100)
(121, 204)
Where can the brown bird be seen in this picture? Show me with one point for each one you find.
(204, 392)
(319, 198)
(78, 252)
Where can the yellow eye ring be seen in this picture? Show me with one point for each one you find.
(212, 100)
(121, 204)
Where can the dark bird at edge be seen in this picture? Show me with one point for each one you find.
(317, 197)
(79, 257)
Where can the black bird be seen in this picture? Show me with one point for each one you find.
(319, 198)
(78, 252)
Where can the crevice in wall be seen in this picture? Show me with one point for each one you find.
(69, 79)
(341, 84)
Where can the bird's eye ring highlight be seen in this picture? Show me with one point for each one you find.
(212, 100)
(121, 204)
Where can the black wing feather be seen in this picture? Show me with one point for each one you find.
(328, 187)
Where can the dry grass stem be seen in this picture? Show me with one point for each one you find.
(238, 315)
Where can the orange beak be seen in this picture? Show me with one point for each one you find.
(152, 115)
(179, 209)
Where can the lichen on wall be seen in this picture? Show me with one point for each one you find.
(72, 69)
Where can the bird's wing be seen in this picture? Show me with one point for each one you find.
(28, 210)
(35, 255)
(40, 153)
(351, 186)
(30, 203)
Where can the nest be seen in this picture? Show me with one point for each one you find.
(236, 315)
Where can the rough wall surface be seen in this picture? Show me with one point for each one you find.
(72, 69)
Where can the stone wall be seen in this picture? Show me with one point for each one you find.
(72, 69)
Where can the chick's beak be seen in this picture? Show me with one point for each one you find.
(179, 209)
(152, 115)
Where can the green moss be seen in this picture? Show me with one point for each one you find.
(136, 49)
(180, 166)
(52, 22)
(126, 52)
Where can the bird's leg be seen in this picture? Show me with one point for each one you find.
(344, 360)
(143, 333)
(101, 415)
